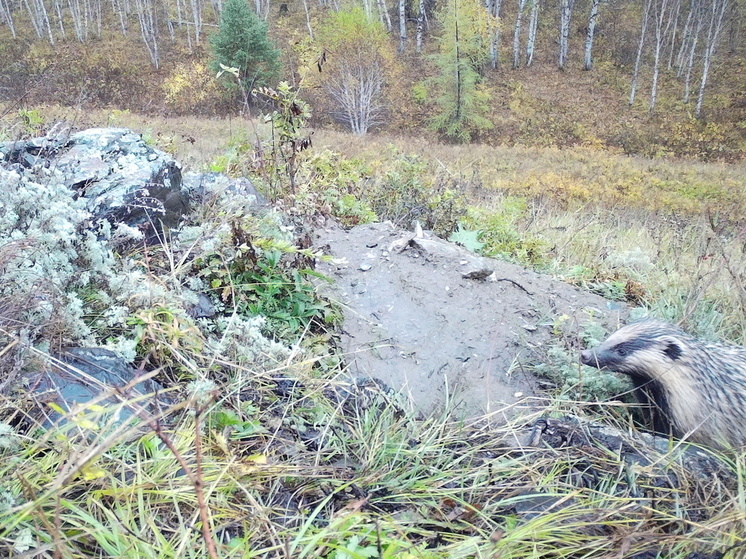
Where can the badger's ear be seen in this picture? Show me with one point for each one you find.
(672, 347)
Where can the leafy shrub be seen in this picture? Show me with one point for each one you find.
(189, 86)
(499, 231)
(406, 190)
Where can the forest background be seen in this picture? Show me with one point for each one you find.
(643, 77)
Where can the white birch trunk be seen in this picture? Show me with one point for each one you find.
(7, 16)
(34, 20)
(533, 24)
(147, 17)
(45, 26)
(685, 38)
(517, 34)
(493, 8)
(119, 9)
(690, 65)
(588, 63)
(420, 24)
(719, 7)
(660, 34)
(383, 12)
(197, 19)
(402, 25)
(564, 35)
(676, 12)
(77, 17)
(640, 46)
(58, 13)
(308, 19)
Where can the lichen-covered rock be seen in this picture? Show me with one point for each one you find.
(121, 177)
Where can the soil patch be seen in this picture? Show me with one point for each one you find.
(442, 325)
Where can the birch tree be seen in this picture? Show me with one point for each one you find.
(197, 19)
(78, 15)
(383, 13)
(37, 12)
(533, 23)
(359, 60)
(7, 16)
(693, 39)
(517, 34)
(493, 10)
(57, 4)
(588, 63)
(717, 11)
(402, 25)
(147, 17)
(566, 7)
(660, 8)
(640, 46)
(308, 19)
(121, 9)
(420, 24)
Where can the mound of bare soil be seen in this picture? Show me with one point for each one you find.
(442, 325)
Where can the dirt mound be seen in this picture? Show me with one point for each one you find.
(440, 324)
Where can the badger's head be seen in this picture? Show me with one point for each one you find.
(641, 349)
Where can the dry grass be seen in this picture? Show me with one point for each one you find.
(339, 469)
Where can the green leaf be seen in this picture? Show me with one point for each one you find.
(467, 238)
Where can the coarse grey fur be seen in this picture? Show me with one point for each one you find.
(698, 388)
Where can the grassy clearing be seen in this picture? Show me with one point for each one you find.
(271, 450)
(340, 470)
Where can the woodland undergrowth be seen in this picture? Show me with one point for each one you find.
(268, 448)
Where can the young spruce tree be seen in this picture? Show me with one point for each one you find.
(461, 102)
(242, 42)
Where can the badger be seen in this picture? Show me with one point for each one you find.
(695, 389)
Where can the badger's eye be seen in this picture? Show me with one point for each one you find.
(623, 349)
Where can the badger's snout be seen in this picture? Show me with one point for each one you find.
(588, 357)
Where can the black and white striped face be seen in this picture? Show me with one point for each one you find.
(639, 348)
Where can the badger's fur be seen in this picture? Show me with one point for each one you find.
(698, 389)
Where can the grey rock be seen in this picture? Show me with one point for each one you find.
(123, 179)
(81, 375)
(199, 186)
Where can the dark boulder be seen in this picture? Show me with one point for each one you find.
(81, 375)
(122, 178)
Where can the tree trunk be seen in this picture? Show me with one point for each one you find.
(660, 34)
(517, 34)
(383, 13)
(719, 7)
(308, 19)
(420, 24)
(147, 17)
(640, 46)
(402, 25)
(197, 19)
(690, 65)
(34, 20)
(493, 9)
(7, 16)
(588, 64)
(675, 15)
(686, 37)
(533, 23)
(58, 13)
(564, 34)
